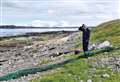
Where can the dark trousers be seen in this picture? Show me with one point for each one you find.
(85, 45)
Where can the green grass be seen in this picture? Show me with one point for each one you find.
(81, 68)
(72, 72)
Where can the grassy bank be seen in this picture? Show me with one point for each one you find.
(81, 70)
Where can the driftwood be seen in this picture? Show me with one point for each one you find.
(76, 51)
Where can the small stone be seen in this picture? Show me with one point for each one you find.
(105, 75)
(89, 80)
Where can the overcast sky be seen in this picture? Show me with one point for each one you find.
(58, 12)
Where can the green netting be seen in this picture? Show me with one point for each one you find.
(25, 72)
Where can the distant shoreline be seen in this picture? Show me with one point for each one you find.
(31, 27)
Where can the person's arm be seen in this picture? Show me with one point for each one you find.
(81, 28)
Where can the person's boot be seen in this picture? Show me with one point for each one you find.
(85, 55)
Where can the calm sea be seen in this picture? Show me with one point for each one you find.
(12, 32)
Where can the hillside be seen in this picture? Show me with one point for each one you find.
(103, 66)
(108, 31)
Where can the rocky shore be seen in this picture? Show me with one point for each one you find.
(43, 47)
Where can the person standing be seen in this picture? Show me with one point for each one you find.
(85, 38)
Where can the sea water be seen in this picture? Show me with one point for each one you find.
(12, 32)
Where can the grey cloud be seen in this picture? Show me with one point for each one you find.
(7, 4)
(82, 10)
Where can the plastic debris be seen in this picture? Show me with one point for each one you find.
(92, 47)
(102, 45)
